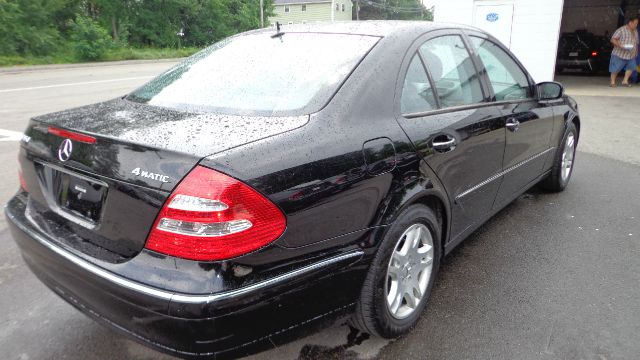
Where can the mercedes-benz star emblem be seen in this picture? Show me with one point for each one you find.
(65, 149)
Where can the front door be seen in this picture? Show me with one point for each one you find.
(529, 124)
(460, 134)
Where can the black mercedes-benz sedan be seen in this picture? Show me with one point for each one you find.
(282, 177)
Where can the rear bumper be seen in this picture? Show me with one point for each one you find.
(586, 64)
(190, 325)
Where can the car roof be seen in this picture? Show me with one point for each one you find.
(368, 27)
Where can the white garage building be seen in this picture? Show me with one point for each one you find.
(531, 28)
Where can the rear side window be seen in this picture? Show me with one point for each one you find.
(256, 74)
(508, 80)
(417, 95)
(452, 71)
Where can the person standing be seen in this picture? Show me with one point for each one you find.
(625, 42)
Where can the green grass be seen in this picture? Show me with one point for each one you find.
(147, 53)
(121, 53)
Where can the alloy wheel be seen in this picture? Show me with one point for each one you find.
(409, 271)
(567, 156)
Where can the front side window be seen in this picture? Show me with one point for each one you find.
(508, 80)
(452, 71)
(417, 94)
(259, 75)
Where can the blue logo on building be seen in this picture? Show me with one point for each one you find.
(492, 17)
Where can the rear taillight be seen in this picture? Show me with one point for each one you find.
(212, 216)
(594, 54)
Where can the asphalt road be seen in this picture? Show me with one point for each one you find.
(553, 276)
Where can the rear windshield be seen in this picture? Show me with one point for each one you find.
(293, 74)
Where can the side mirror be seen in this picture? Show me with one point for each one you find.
(550, 90)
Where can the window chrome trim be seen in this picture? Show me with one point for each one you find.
(515, 101)
(551, 101)
(169, 295)
(448, 109)
(466, 107)
(500, 174)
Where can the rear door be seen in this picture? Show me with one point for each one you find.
(529, 123)
(447, 114)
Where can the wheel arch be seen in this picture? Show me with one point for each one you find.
(436, 204)
(432, 199)
(576, 121)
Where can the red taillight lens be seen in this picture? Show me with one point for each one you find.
(594, 54)
(72, 135)
(212, 216)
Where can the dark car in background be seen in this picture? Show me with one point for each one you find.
(278, 179)
(583, 51)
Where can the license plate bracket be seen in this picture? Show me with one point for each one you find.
(74, 196)
(81, 197)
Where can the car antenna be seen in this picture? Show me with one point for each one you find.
(278, 32)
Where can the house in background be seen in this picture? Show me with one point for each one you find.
(308, 11)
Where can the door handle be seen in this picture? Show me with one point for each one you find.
(513, 124)
(444, 143)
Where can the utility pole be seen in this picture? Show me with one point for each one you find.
(261, 13)
(357, 10)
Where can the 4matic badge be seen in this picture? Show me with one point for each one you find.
(150, 175)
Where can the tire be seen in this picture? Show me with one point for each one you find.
(373, 313)
(563, 163)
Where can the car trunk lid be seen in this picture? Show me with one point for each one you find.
(101, 196)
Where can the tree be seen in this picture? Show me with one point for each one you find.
(42, 27)
(26, 26)
(156, 22)
(90, 40)
(112, 14)
(393, 10)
